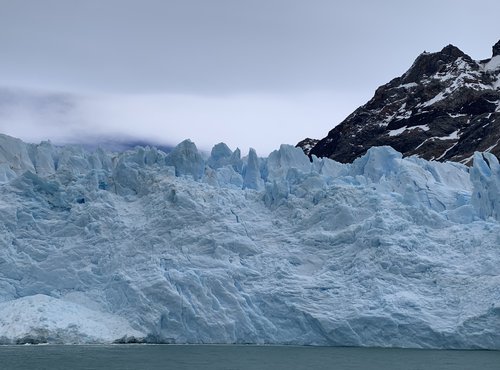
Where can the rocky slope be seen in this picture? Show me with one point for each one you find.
(445, 107)
(143, 245)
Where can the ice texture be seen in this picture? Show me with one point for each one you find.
(386, 251)
(485, 176)
(186, 160)
(252, 178)
(41, 319)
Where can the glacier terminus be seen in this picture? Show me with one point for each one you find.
(102, 247)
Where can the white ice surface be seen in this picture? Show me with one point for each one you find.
(382, 252)
(40, 318)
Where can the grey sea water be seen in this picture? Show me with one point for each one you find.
(236, 357)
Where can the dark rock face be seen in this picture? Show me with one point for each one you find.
(496, 49)
(445, 107)
(307, 144)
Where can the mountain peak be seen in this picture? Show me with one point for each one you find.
(445, 107)
(428, 64)
(452, 51)
(496, 49)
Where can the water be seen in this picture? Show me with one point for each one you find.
(232, 357)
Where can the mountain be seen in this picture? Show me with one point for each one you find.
(445, 107)
(99, 247)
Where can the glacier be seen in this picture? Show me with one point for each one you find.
(101, 247)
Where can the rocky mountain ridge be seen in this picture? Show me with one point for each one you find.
(445, 107)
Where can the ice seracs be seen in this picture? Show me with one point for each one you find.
(187, 160)
(252, 178)
(485, 175)
(96, 247)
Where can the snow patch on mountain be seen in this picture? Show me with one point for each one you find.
(493, 64)
(399, 131)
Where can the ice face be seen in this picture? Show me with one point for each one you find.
(14, 153)
(220, 156)
(281, 161)
(40, 319)
(387, 251)
(485, 175)
(252, 178)
(187, 160)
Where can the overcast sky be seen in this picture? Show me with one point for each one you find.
(252, 73)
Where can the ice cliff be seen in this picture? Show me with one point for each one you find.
(143, 245)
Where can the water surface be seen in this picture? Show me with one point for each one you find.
(236, 357)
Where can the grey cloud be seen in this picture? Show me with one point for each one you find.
(262, 121)
(226, 46)
(39, 115)
(251, 73)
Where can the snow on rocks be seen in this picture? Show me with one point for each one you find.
(387, 251)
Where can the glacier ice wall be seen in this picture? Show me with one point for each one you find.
(386, 251)
(485, 175)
